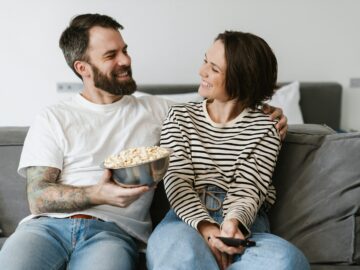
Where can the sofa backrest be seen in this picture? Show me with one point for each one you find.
(13, 201)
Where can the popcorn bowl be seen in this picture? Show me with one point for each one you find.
(146, 173)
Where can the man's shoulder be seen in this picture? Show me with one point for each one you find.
(188, 106)
(153, 104)
(256, 117)
(149, 106)
(153, 100)
(57, 110)
(258, 114)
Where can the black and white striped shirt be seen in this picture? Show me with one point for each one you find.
(238, 156)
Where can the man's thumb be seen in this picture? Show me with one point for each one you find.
(106, 177)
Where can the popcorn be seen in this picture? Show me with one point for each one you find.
(135, 156)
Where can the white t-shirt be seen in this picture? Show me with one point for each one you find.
(76, 136)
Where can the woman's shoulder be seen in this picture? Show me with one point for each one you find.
(184, 111)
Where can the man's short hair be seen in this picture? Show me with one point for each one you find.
(74, 40)
(251, 71)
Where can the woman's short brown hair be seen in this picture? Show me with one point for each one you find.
(251, 71)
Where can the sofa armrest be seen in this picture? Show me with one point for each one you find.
(317, 179)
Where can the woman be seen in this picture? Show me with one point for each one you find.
(219, 178)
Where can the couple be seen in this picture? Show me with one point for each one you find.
(218, 182)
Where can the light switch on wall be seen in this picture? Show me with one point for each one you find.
(355, 82)
(66, 87)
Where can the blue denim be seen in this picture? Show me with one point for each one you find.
(212, 198)
(176, 245)
(51, 243)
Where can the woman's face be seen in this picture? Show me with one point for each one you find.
(212, 73)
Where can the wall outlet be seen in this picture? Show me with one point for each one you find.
(354, 82)
(66, 87)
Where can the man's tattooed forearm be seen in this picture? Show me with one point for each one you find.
(46, 195)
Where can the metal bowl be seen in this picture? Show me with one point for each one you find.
(147, 173)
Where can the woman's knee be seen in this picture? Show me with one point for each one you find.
(173, 239)
(290, 257)
(172, 233)
(274, 253)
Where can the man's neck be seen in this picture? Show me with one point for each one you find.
(98, 96)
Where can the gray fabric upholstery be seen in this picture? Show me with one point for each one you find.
(318, 205)
(13, 202)
(12, 136)
(335, 267)
(2, 241)
(320, 102)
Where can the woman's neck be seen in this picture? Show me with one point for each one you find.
(223, 111)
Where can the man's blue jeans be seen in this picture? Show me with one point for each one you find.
(51, 243)
(176, 245)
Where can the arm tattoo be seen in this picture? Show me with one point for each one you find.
(45, 195)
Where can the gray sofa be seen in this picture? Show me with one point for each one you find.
(317, 178)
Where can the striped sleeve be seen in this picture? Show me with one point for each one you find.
(252, 181)
(179, 179)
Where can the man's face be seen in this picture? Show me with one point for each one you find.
(110, 62)
(111, 83)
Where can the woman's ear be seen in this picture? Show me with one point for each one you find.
(82, 68)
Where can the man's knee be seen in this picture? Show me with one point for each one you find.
(31, 250)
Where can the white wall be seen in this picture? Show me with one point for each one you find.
(313, 40)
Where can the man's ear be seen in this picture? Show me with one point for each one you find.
(82, 68)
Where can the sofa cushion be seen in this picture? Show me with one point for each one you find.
(13, 201)
(334, 267)
(318, 194)
(287, 97)
(2, 241)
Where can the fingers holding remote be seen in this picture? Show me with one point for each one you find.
(226, 248)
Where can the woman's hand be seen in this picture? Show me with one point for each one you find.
(275, 113)
(222, 252)
(209, 232)
(230, 228)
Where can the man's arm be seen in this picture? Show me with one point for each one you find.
(46, 195)
(275, 113)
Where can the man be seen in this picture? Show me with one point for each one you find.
(80, 218)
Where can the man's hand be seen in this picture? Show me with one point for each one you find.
(108, 192)
(274, 114)
(46, 195)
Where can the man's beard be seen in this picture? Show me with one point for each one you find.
(112, 85)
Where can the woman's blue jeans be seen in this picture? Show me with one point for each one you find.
(51, 243)
(176, 245)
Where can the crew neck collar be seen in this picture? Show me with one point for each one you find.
(227, 124)
(99, 107)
